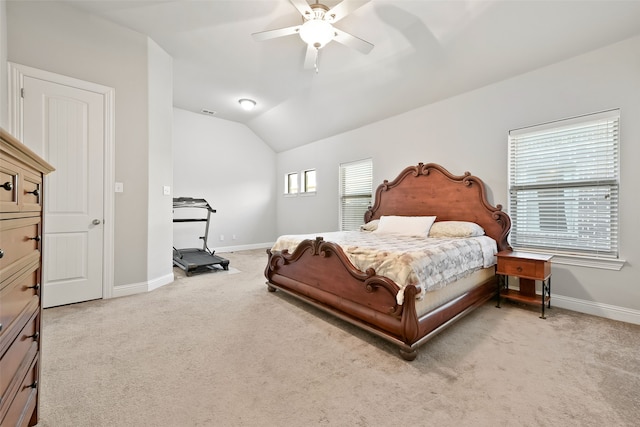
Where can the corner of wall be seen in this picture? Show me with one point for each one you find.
(160, 162)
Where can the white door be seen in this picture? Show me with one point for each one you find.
(65, 125)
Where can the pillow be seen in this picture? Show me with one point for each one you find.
(405, 225)
(455, 229)
(370, 226)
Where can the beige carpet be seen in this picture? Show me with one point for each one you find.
(219, 350)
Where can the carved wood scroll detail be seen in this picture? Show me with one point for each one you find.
(371, 282)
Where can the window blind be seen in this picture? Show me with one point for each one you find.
(355, 193)
(563, 186)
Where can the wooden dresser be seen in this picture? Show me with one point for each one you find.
(21, 192)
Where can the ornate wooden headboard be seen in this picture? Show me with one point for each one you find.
(429, 189)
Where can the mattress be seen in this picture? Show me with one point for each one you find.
(428, 263)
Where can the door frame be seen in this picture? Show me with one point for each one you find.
(17, 72)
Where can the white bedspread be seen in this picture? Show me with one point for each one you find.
(427, 263)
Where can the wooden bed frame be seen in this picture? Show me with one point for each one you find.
(319, 272)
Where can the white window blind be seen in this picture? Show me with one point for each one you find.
(563, 185)
(355, 193)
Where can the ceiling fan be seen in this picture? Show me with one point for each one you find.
(317, 29)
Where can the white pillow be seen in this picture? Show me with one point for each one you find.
(455, 229)
(405, 225)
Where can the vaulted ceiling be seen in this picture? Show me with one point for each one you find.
(425, 51)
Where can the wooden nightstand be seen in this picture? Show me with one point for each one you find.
(528, 267)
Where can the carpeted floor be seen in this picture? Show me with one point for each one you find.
(217, 349)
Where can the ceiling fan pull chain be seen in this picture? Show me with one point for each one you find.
(315, 63)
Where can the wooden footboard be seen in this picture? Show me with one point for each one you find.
(319, 273)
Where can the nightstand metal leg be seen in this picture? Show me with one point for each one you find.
(549, 290)
(503, 283)
(546, 293)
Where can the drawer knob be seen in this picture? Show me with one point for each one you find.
(34, 336)
(34, 287)
(35, 192)
(7, 185)
(36, 238)
(1, 253)
(33, 384)
(519, 269)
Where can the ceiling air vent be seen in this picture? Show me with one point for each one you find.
(208, 112)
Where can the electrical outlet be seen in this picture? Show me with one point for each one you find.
(166, 190)
(118, 187)
(221, 237)
(233, 237)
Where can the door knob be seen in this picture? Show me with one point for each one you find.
(96, 222)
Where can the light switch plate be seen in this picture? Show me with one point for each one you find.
(119, 187)
(166, 190)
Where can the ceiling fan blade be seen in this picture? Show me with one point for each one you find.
(272, 34)
(342, 9)
(310, 58)
(303, 7)
(352, 41)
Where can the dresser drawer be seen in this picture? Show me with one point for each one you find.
(8, 186)
(21, 352)
(18, 411)
(31, 193)
(20, 187)
(16, 295)
(18, 239)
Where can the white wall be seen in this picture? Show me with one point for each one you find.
(469, 133)
(228, 165)
(55, 37)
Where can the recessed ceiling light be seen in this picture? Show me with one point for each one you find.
(247, 104)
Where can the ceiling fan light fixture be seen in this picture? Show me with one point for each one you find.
(317, 33)
(247, 104)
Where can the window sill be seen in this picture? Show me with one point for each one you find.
(583, 260)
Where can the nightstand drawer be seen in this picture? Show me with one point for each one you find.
(523, 268)
(531, 266)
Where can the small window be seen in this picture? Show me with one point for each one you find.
(563, 186)
(291, 183)
(309, 181)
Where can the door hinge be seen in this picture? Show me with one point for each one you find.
(21, 92)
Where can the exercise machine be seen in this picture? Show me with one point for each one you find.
(196, 260)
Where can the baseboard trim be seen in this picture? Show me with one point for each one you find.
(137, 288)
(597, 309)
(160, 281)
(264, 246)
